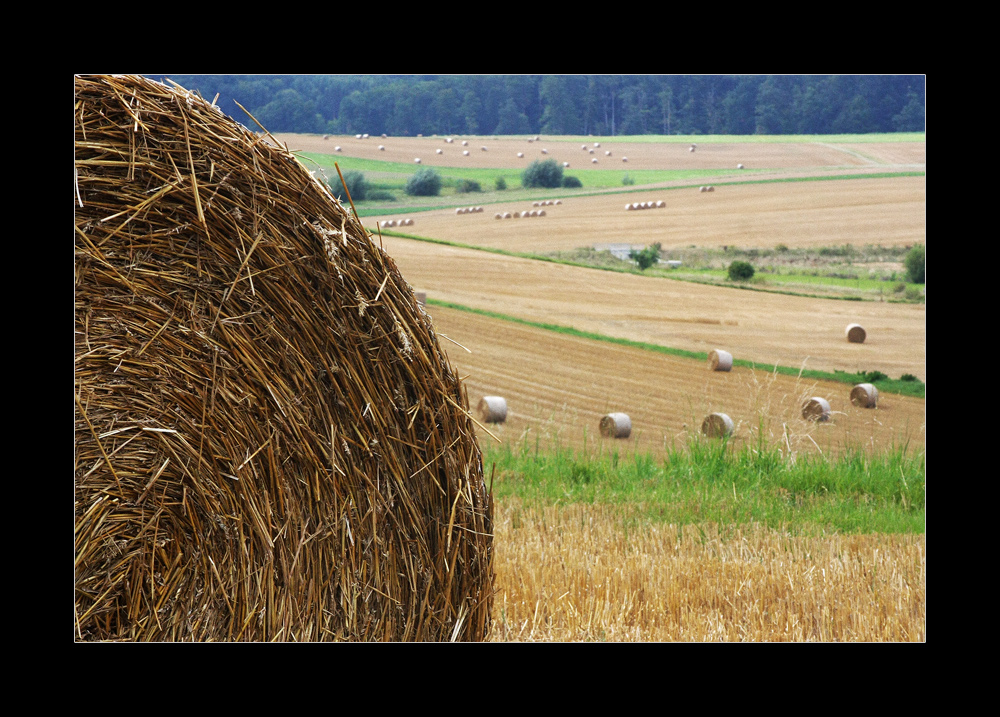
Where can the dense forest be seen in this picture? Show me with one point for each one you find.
(604, 105)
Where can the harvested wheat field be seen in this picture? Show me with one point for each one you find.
(573, 573)
(557, 388)
(625, 154)
(757, 326)
(879, 211)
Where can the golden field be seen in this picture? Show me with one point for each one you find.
(575, 572)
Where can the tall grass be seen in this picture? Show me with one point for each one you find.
(712, 481)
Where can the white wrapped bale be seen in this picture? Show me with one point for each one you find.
(492, 409)
(855, 333)
(717, 425)
(864, 395)
(719, 360)
(616, 425)
(816, 409)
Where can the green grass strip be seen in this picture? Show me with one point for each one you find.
(711, 480)
(915, 388)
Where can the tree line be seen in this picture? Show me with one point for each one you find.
(604, 105)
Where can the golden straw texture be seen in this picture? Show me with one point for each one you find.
(270, 445)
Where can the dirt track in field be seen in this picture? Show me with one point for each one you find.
(558, 387)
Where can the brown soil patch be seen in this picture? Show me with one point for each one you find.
(558, 387)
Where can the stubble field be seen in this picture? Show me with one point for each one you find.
(577, 573)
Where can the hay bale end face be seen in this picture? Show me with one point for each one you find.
(816, 409)
(492, 409)
(244, 469)
(616, 425)
(855, 333)
(717, 425)
(864, 395)
(719, 360)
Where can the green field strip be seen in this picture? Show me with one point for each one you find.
(900, 387)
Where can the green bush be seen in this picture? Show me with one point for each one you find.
(425, 183)
(547, 173)
(572, 182)
(646, 257)
(501, 184)
(465, 186)
(740, 271)
(356, 185)
(915, 263)
(381, 195)
(627, 180)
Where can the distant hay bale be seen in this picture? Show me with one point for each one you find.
(337, 148)
(498, 215)
(816, 409)
(717, 425)
(381, 147)
(417, 160)
(660, 204)
(702, 189)
(507, 215)
(270, 444)
(460, 210)
(439, 151)
(465, 153)
(739, 166)
(719, 360)
(855, 333)
(594, 160)
(545, 151)
(465, 143)
(616, 425)
(709, 188)
(541, 212)
(565, 164)
(864, 395)
(520, 155)
(629, 207)
(557, 201)
(408, 222)
(492, 409)
(607, 153)
(624, 159)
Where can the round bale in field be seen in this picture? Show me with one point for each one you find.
(717, 425)
(816, 409)
(719, 360)
(864, 395)
(856, 333)
(492, 409)
(616, 425)
(270, 444)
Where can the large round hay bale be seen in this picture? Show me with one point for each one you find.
(492, 409)
(816, 409)
(719, 360)
(270, 443)
(616, 425)
(864, 395)
(855, 333)
(717, 425)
